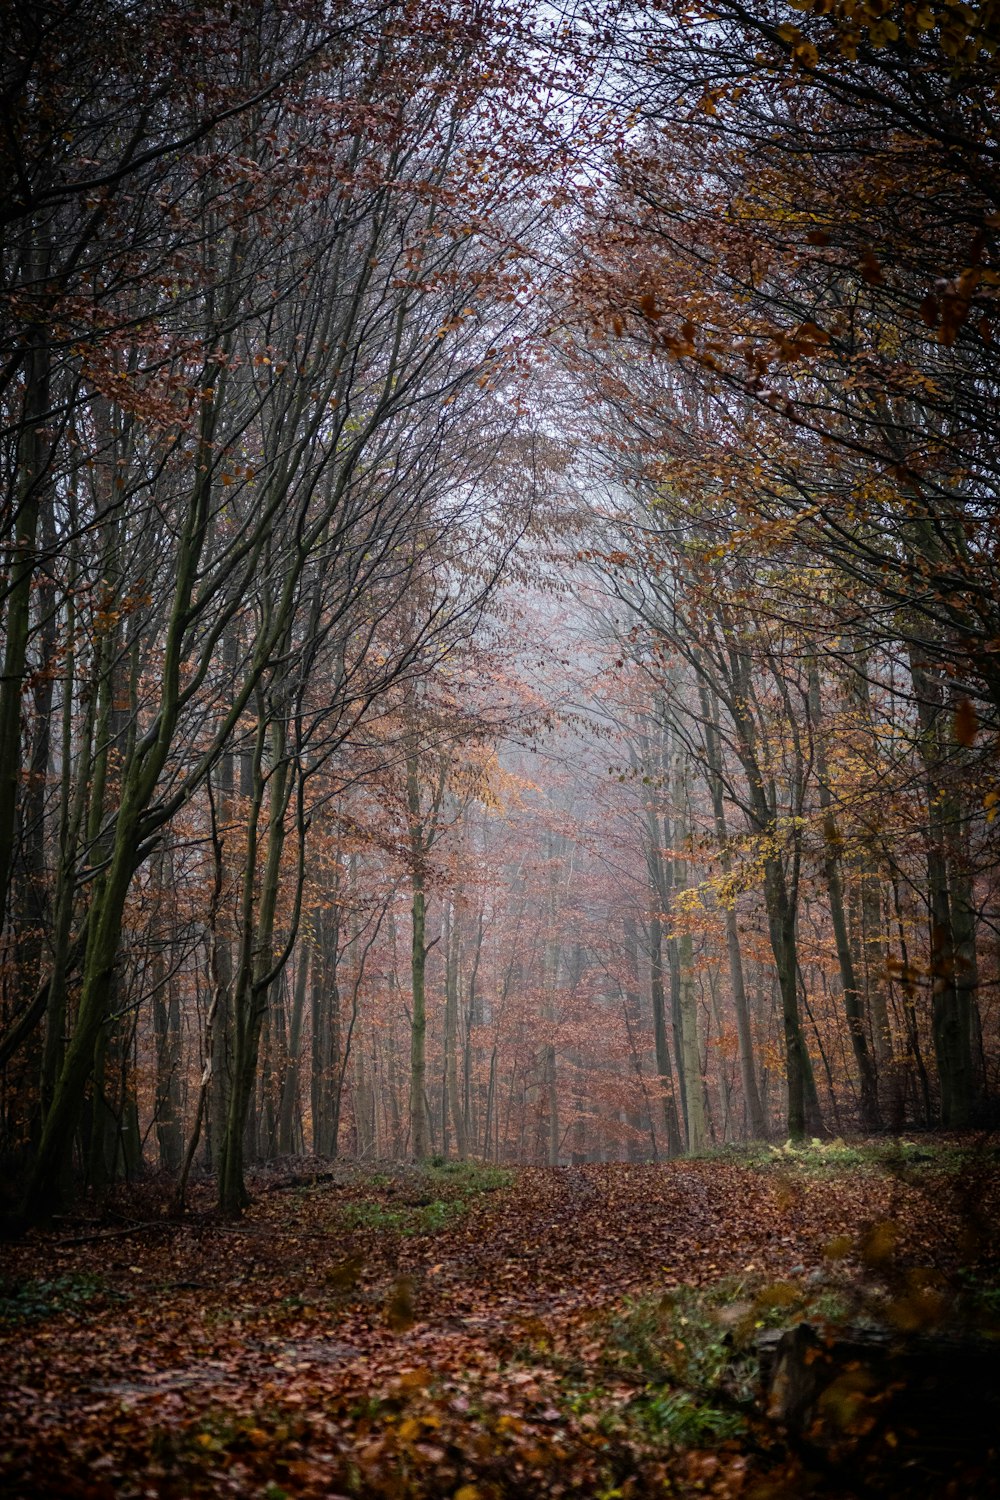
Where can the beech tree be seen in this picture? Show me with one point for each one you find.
(304, 360)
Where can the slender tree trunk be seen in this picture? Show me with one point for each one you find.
(418, 966)
(663, 1068)
(950, 1003)
(854, 1008)
(804, 1116)
(963, 922)
(781, 899)
(325, 1010)
(451, 1013)
(167, 1034)
(655, 764)
(290, 1083)
(71, 818)
(254, 977)
(694, 1111)
(33, 454)
(220, 1086)
(748, 1068)
(909, 988)
(874, 942)
(637, 1117)
(471, 1053)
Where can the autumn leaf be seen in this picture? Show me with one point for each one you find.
(966, 723)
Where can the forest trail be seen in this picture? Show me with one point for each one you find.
(411, 1331)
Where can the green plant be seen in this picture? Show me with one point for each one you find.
(677, 1338)
(372, 1216)
(434, 1216)
(681, 1419)
(891, 1155)
(38, 1298)
(466, 1178)
(410, 1219)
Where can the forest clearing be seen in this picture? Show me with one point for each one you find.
(469, 1332)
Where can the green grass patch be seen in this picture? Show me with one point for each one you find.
(465, 1179)
(406, 1220)
(893, 1154)
(422, 1200)
(30, 1301)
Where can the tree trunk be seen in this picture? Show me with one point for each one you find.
(290, 1083)
(951, 1018)
(854, 1008)
(804, 1116)
(694, 1107)
(418, 966)
(254, 977)
(663, 1068)
(32, 484)
(220, 1083)
(167, 1030)
(451, 1013)
(734, 956)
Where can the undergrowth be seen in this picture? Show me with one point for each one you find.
(816, 1156)
(424, 1201)
(30, 1301)
(410, 1219)
(688, 1360)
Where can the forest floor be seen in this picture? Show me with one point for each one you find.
(470, 1332)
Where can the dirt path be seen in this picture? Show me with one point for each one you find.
(332, 1343)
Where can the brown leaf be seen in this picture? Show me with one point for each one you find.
(930, 310)
(966, 724)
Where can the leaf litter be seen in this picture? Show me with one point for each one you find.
(569, 1331)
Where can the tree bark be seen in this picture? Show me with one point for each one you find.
(694, 1107)
(854, 1008)
(734, 956)
(951, 1018)
(418, 965)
